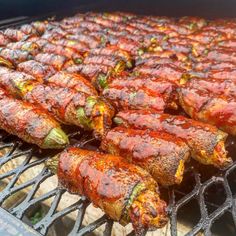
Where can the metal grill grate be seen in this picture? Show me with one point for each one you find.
(197, 186)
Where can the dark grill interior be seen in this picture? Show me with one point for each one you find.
(205, 201)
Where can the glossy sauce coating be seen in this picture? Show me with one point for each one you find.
(14, 56)
(91, 40)
(89, 70)
(4, 40)
(63, 51)
(108, 182)
(24, 120)
(72, 80)
(78, 46)
(36, 69)
(205, 141)
(54, 60)
(61, 102)
(14, 82)
(107, 60)
(161, 154)
(164, 71)
(216, 110)
(153, 84)
(113, 50)
(130, 98)
(14, 34)
(217, 87)
(31, 47)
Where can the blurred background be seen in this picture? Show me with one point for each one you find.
(205, 8)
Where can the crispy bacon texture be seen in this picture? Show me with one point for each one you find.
(115, 62)
(66, 105)
(29, 29)
(80, 47)
(165, 71)
(207, 65)
(129, 45)
(161, 154)
(31, 47)
(14, 34)
(115, 51)
(91, 71)
(152, 85)
(218, 87)
(72, 80)
(119, 188)
(36, 69)
(11, 58)
(91, 40)
(221, 55)
(130, 98)
(15, 82)
(30, 123)
(205, 141)
(212, 109)
(58, 62)
(4, 40)
(63, 51)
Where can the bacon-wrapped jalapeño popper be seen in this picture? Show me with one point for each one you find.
(61, 79)
(40, 26)
(80, 47)
(92, 72)
(224, 87)
(15, 35)
(10, 58)
(161, 154)
(58, 62)
(14, 81)
(36, 69)
(91, 40)
(63, 51)
(115, 62)
(221, 55)
(164, 54)
(4, 40)
(30, 123)
(218, 110)
(113, 50)
(153, 61)
(165, 71)
(152, 85)
(131, 98)
(119, 188)
(66, 105)
(206, 65)
(205, 141)
(31, 47)
(222, 73)
(89, 70)
(72, 80)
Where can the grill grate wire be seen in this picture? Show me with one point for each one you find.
(177, 196)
